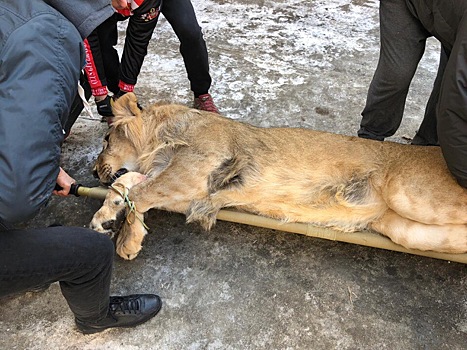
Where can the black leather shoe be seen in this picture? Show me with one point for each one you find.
(126, 311)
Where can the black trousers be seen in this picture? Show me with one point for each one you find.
(403, 40)
(181, 16)
(80, 259)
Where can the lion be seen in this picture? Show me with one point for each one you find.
(196, 162)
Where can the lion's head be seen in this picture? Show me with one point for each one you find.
(142, 141)
(121, 145)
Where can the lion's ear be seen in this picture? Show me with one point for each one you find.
(126, 106)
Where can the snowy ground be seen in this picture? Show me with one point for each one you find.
(273, 63)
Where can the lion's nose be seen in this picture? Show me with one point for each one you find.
(108, 225)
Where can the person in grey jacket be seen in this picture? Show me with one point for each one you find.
(405, 25)
(41, 56)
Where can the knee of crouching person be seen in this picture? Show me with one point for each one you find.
(97, 244)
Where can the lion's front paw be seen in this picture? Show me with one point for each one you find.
(130, 239)
(128, 250)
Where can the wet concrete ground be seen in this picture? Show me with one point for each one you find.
(275, 63)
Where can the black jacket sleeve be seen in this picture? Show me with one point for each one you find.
(94, 68)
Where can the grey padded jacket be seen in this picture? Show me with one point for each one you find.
(41, 56)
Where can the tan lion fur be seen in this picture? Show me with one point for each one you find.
(198, 162)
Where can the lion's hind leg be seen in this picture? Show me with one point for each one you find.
(448, 238)
(436, 199)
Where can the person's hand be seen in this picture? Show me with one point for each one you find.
(104, 107)
(64, 181)
(119, 4)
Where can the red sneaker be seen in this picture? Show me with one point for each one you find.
(205, 103)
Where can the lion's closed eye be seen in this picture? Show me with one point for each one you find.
(118, 202)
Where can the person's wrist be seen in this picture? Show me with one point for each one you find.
(100, 98)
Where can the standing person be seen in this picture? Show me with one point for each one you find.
(106, 73)
(405, 26)
(41, 55)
